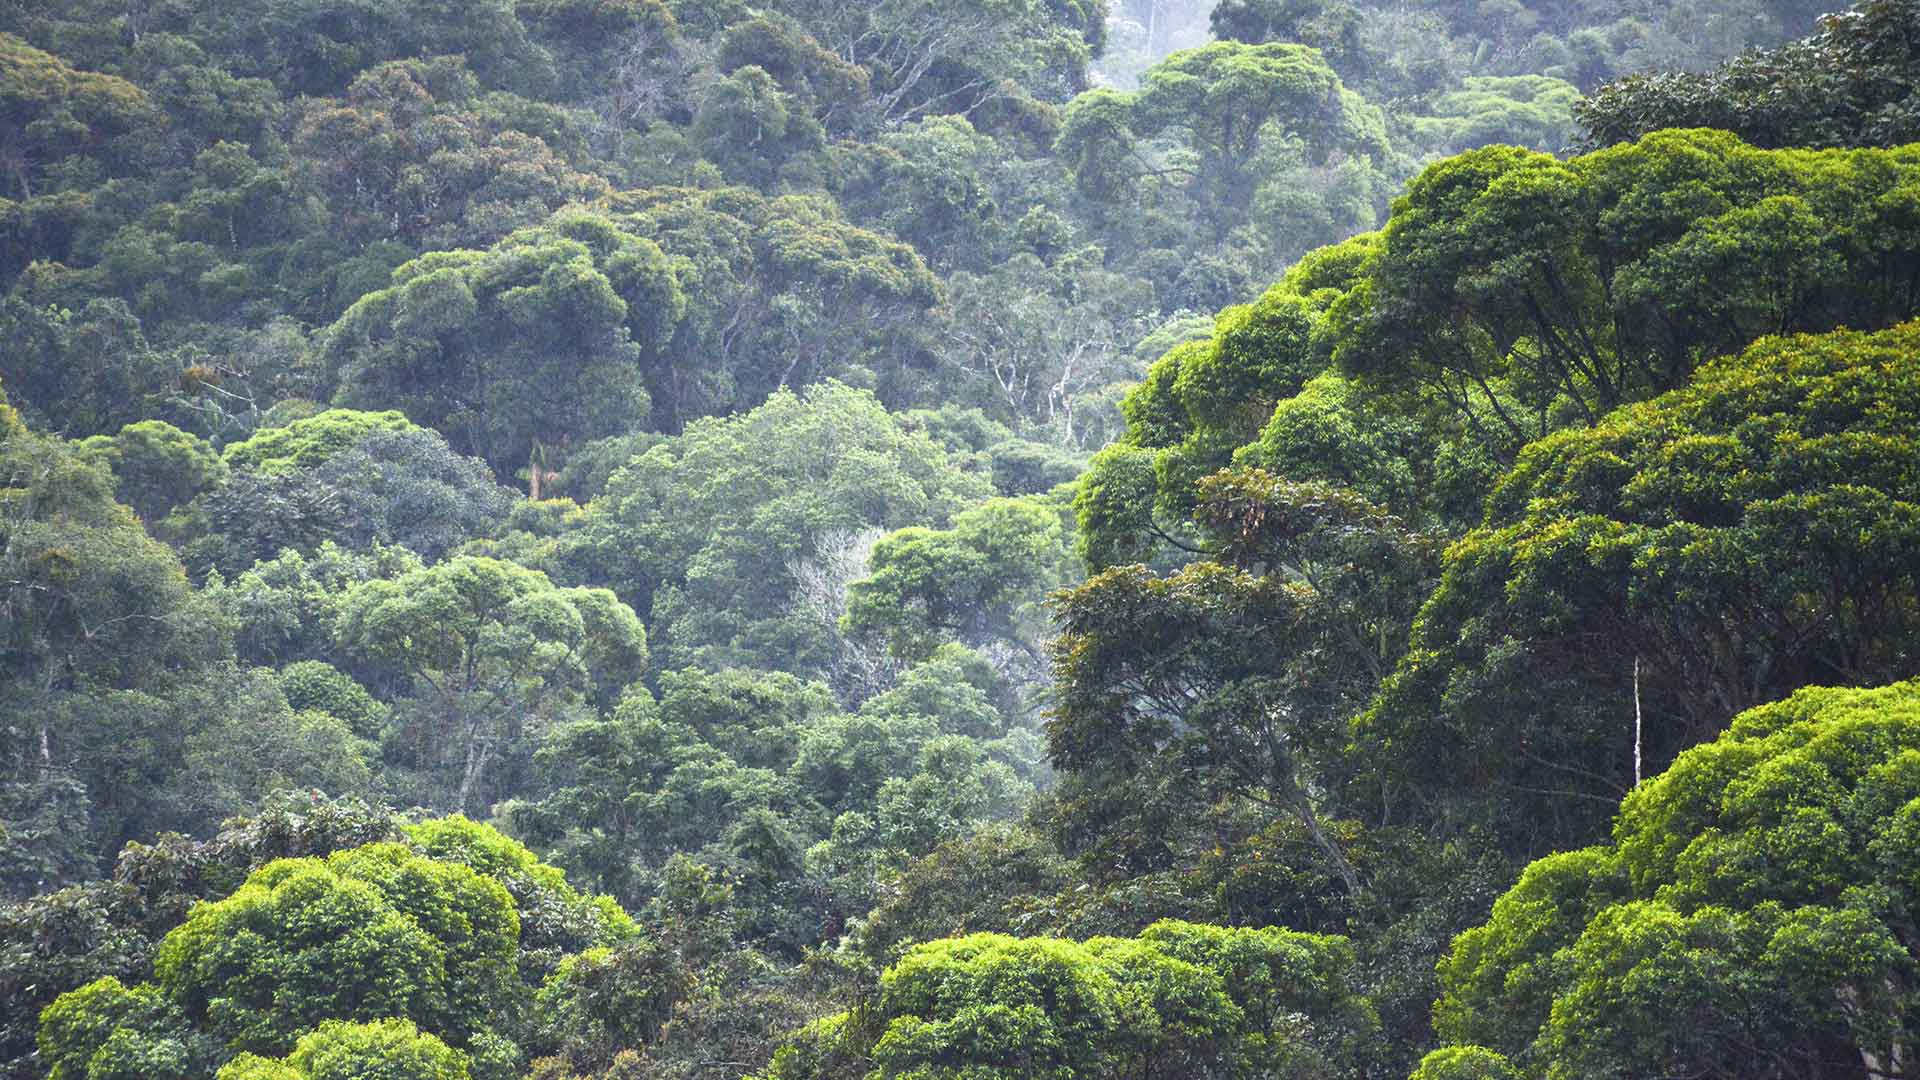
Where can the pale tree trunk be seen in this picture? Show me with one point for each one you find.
(478, 750)
(1348, 875)
(46, 720)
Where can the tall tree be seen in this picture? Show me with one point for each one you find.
(491, 648)
(1523, 293)
(541, 339)
(1750, 917)
(1233, 680)
(1850, 84)
(54, 111)
(1636, 583)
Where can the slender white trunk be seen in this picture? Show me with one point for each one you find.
(1636, 721)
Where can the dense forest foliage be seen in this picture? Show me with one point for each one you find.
(673, 539)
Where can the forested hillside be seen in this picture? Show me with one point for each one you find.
(673, 539)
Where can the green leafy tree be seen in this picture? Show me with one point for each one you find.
(587, 808)
(275, 498)
(371, 933)
(1232, 679)
(55, 111)
(310, 441)
(1850, 84)
(415, 152)
(318, 686)
(87, 363)
(1523, 293)
(342, 476)
(340, 1050)
(1201, 403)
(1223, 96)
(977, 582)
(1748, 917)
(602, 1001)
(408, 488)
(751, 128)
(108, 1031)
(243, 741)
(365, 934)
(101, 628)
(1519, 110)
(931, 183)
(65, 939)
(156, 466)
(556, 920)
(283, 609)
(310, 912)
(1046, 347)
(489, 647)
(1703, 552)
(1465, 1063)
(316, 47)
(773, 286)
(1327, 433)
(1097, 143)
(541, 339)
(618, 798)
(994, 879)
(1336, 29)
(829, 88)
(718, 531)
(1224, 104)
(926, 59)
(755, 717)
(1179, 1000)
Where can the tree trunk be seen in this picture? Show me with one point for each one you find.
(1303, 807)
(479, 748)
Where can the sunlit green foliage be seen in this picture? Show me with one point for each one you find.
(1180, 1000)
(333, 959)
(971, 583)
(108, 1031)
(339, 1050)
(1705, 552)
(1759, 889)
(1520, 110)
(367, 934)
(1204, 400)
(1526, 294)
(309, 442)
(797, 325)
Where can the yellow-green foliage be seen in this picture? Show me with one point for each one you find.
(107, 1031)
(554, 915)
(309, 442)
(1179, 1000)
(337, 1050)
(1709, 550)
(374, 932)
(1754, 905)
